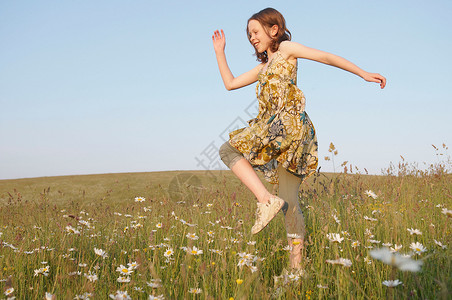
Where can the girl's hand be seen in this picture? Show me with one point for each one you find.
(375, 77)
(219, 41)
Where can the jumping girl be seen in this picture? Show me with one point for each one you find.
(281, 141)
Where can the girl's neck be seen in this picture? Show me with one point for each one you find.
(270, 54)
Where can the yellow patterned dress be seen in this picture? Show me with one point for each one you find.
(282, 132)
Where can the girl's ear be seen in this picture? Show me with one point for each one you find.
(274, 30)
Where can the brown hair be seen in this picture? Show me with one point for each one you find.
(267, 18)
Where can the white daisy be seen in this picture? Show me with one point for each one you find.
(414, 231)
(9, 291)
(123, 279)
(195, 291)
(169, 252)
(392, 283)
(123, 270)
(120, 295)
(195, 251)
(396, 248)
(396, 260)
(369, 193)
(447, 212)
(101, 253)
(417, 247)
(341, 261)
(91, 277)
(335, 237)
(440, 244)
(192, 236)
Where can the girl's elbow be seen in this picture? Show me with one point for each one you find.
(229, 86)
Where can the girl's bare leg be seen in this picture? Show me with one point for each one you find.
(245, 172)
(295, 253)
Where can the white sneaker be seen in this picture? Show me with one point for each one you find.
(266, 212)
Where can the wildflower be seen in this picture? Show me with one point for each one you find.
(195, 251)
(239, 281)
(335, 237)
(101, 253)
(341, 261)
(374, 241)
(84, 296)
(370, 219)
(216, 251)
(322, 286)
(73, 273)
(396, 260)
(414, 231)
(133, 265)
(91, 277)
(367, 260)
(245, 255)
(417, 247)
(210, 233)
(159, 225)
(123, 279)
(396, 248)
(368, 233)
(195, 291)
(140, 199)
(209, 205)
(242, 262)
(152, 297)
(336, 219)
(9, 291)
(155, 283)
(369, 193)
(71, 229)
(169, 252)
(387, 244)
(123, 270)
(44, 271)
(135, 226)
(355, 244)
(252, 268)
(192, 236)
(447, 212)
(440, 244)
(392, 283)
(120, 295)
(251, 243)
(49, 296)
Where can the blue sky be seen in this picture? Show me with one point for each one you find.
(133, 86)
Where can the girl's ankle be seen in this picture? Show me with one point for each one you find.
(264, 198)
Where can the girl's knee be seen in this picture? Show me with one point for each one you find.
(229, 155)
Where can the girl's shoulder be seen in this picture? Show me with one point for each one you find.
(286, 50)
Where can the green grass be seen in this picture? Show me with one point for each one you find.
(35, 214)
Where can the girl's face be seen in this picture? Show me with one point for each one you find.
(259, 37)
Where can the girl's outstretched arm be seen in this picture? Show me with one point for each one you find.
(296, 50)
(231, 82)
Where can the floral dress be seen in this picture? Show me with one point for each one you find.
(282, 132)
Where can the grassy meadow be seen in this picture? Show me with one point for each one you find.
(186, 235)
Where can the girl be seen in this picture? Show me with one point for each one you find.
(281, 141)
